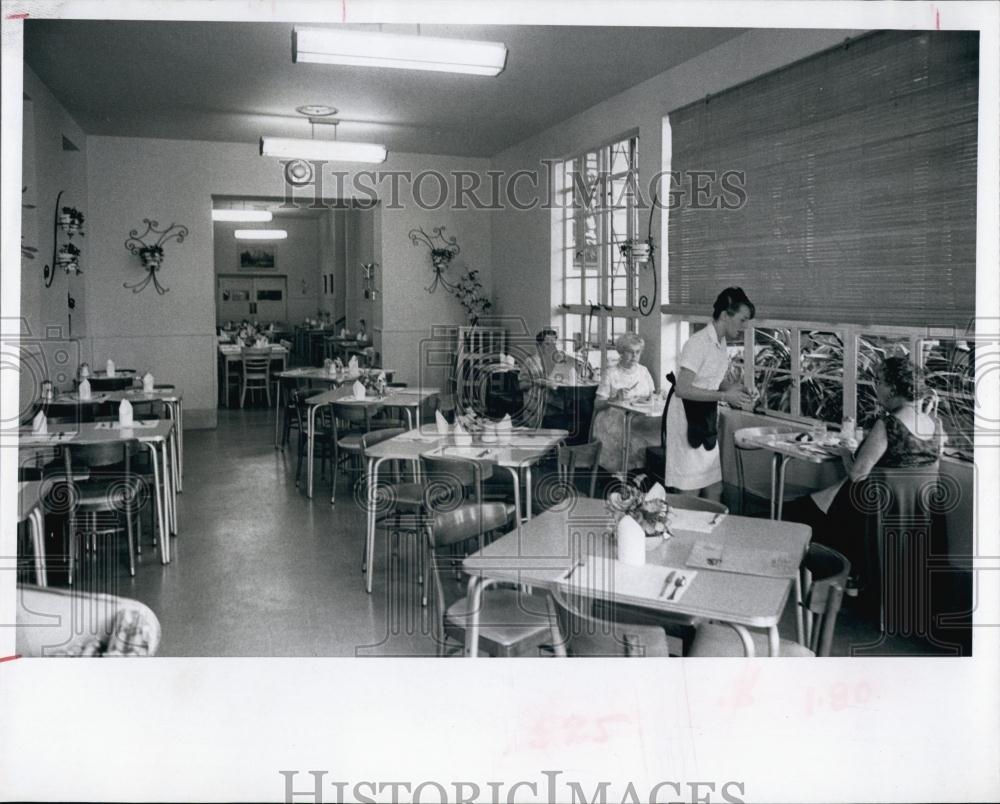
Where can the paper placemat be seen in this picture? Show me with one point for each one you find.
(741, 558)
(649, 581)
(694, 521)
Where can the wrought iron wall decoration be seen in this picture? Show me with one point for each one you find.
(468, 289)
(151, 251)
(443, 250)
(640, 253)
(368, 279)
(67, 255)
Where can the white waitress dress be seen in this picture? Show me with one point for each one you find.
(691, 468)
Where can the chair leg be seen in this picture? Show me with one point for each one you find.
(333, 484)
(131, 548)
(70, 543)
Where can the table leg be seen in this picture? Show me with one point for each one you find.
(278, 408)
(164, 537)
(781, 485)
(409, 418)
(745, 638)
(371, 475)
(625, 444)
(168, 492)
(774, 483)
(773, 642)
(310, 426)
(36, 524)
(516, 476)
(527, 493)
(475, 595)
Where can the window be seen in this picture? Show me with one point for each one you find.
(595, 211)
(825, 372)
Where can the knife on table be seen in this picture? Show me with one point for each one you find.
(666, 583)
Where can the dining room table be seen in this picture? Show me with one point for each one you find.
(408, 399)
(230, 353)
(173, 403)
(516, 452)
(733, 569)
(797, 445)
(154, 435)
(647, 408)
(313, 376)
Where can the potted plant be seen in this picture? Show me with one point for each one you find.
(68, 258)
(637, 250)
(151, 256)
(71, 221)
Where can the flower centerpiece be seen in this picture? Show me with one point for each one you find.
(151, 255)
(649, 509)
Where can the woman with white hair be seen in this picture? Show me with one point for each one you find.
(628, 380)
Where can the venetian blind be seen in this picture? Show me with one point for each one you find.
(860, 167)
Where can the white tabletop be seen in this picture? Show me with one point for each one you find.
(394, 397)
(97, 433)
(828, 448)
(546, 550)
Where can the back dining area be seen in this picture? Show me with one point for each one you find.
(713, 393)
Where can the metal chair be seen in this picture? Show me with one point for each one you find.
(256, 373)
(583, 634)
(512, 622)
(350, 423)
(824, 573)
(569, 458)
(323, 438)
(112, 488)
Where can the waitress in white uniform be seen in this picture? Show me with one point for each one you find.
(692, 457)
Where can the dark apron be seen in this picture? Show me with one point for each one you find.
(702, 420)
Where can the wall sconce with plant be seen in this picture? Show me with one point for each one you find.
(642, 253)
(368, 279)
(65, 256)
(150, 252)
(468, 288)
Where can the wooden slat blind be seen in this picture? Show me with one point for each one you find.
(860, 168)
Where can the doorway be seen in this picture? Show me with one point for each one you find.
(255, 298)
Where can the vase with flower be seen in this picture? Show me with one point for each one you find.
(629, 507)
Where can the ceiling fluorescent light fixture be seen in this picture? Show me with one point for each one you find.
(242, 215)
(372, 49)
(330, 150)
(260, 234)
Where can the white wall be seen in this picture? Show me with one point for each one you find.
(299, 258)
(522, 240)
(173, 181)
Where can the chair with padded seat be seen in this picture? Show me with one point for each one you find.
(406, 511)
(571, 457)
(256, 374)
(824, 573)
(350, 423)
(583, 634)
(112, 488)
(512, 621)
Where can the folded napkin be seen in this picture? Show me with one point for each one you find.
(110, 367)
(359, 389)
(505, 429)
(343, 333)
(443, 427)
(147, 382)
(656, 493)
(40, 425)
(509, 360)
(125, 413)
(352, 364)
(462, 438)
(261, 343)
(84, 389)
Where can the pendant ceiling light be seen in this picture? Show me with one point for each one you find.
(242, 215)
(260, 234)
(399, 51)
(327, 150)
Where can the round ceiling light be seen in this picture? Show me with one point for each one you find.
(315, 110)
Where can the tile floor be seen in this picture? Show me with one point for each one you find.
(259, 570)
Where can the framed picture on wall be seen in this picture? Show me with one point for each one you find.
(259, 258)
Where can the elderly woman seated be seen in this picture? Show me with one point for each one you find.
(628, 380)
(906, 434)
